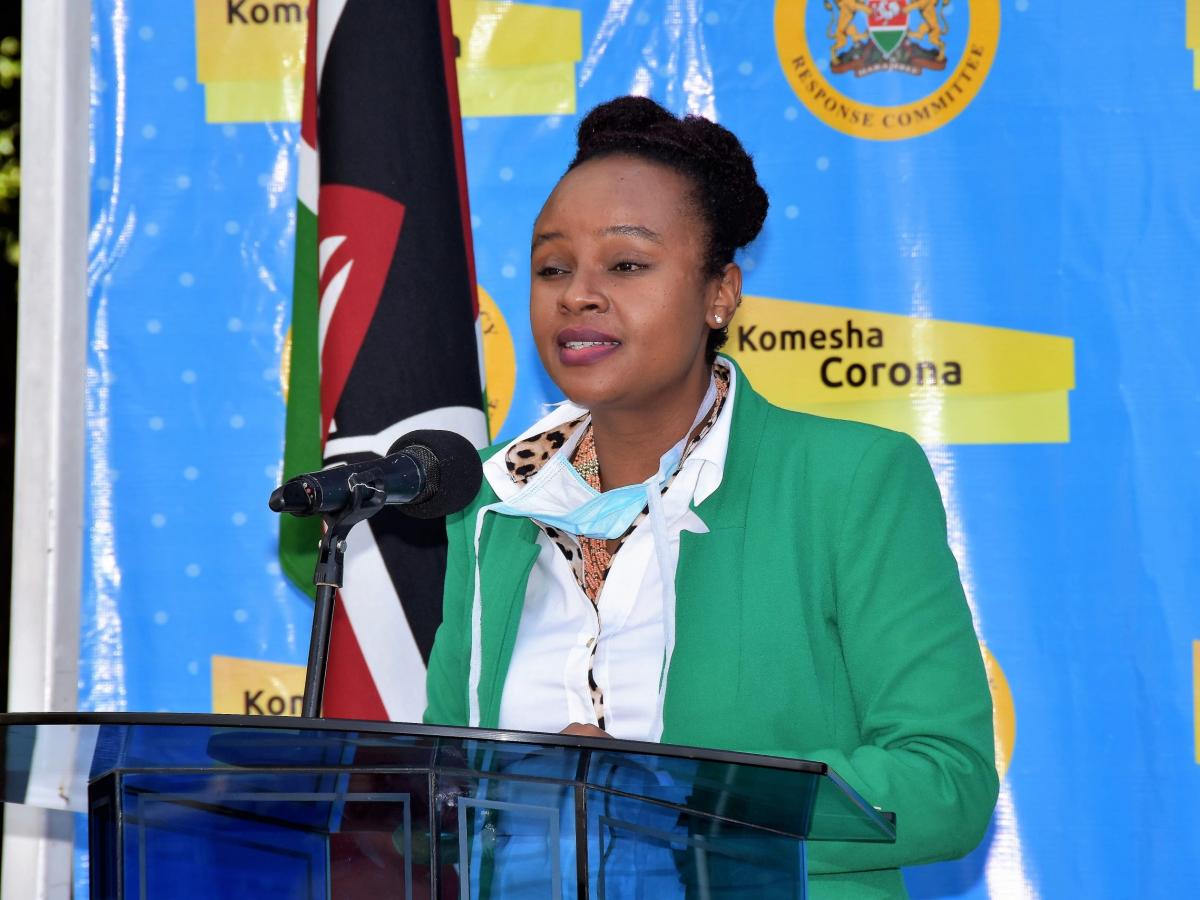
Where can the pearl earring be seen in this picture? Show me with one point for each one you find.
(717, 319)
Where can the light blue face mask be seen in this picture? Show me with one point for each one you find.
(559, 497)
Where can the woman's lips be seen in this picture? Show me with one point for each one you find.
(584, 346)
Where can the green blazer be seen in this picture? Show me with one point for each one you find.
(821, 617)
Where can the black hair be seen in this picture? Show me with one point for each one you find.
(726, 192)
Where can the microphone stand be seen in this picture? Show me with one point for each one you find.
(367, 497)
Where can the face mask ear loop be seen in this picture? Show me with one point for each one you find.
(666, 571)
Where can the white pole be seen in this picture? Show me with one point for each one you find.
(51, 354)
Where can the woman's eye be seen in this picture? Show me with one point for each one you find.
(629, 267)
(549, 271)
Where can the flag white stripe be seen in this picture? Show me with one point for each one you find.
(328, 13)
(479, 351)
(382, 630)
(308, 182)
(469, 421)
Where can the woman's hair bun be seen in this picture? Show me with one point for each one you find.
(622, 116)
(732, 202)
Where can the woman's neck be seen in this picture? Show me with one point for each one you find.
(630, 442)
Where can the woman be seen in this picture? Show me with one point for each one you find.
(669, 557)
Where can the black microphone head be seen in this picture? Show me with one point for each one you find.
(292, 496)
(453, 471)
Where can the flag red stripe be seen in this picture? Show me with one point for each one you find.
(308, 124)
(350, 691)
(460, 157)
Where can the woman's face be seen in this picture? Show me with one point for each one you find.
(619, 303)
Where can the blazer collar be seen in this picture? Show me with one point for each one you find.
(726, 506)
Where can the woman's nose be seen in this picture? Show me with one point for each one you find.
(581, 295)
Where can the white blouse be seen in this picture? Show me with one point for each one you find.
(547, 684)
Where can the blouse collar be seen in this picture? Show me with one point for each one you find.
(709, 454)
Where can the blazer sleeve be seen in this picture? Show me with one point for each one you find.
(449, 661)
(916, 673)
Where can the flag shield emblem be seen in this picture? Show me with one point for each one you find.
(887, 22)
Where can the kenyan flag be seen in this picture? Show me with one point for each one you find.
(887, 24)
(384, 322)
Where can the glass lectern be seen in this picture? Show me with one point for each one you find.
(234, 807)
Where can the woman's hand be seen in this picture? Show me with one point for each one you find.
(580, 730)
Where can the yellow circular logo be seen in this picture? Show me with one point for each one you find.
(285, 365)
(1004, 712)
(499, 361)
(886, 70)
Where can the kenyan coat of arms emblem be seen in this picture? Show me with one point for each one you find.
(828, 48)
(894, 39)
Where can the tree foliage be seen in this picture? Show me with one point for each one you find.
(10, 138)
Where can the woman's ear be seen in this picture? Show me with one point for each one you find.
(728, 296)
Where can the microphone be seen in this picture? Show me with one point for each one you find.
(427, 473)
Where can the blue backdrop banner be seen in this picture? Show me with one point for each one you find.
(984, 230)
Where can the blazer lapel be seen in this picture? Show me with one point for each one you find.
(727, 505)
(510, 549)
(708, 583)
